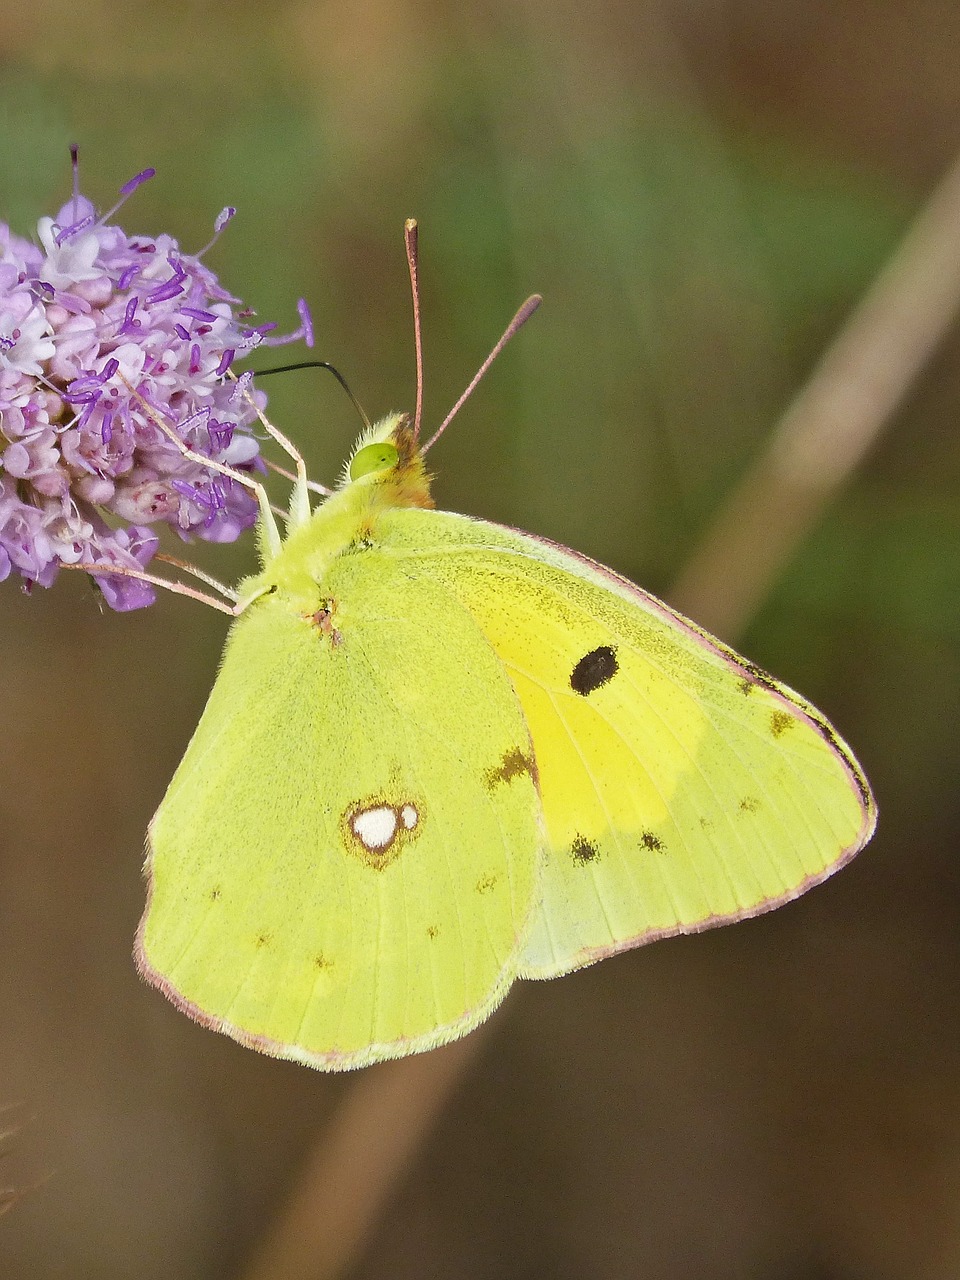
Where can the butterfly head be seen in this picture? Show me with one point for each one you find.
(388, 462)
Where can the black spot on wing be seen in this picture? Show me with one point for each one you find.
(433, 931)
(780, 722)
(594, 669)
(514, 764)
(749, 804)
(582, 851)
(486, 883)
(754, 675)
(649, 841)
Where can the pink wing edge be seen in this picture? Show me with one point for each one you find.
(333, 1059)
(749, 670)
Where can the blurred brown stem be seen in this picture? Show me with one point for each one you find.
(362, 1154)
(374, 1137)
(832, 422)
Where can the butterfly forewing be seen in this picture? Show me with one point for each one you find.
(681, 787)
(345, 864)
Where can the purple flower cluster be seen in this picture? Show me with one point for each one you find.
(85, 471)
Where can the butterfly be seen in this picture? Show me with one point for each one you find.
(441, 755)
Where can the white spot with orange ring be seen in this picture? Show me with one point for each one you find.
(375, 828)
(409, 816)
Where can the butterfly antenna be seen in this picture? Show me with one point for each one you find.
(75, 167)
(410, 235)
(520, 319)
(319, 364)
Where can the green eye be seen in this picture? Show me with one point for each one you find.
(374, 457)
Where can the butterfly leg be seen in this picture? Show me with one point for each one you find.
(231, 608)
(268, 524)
(300, 499)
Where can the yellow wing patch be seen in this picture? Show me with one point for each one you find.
(681, 787)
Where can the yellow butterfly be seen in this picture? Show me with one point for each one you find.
(442, 755)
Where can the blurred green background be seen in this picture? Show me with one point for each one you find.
(701, 189)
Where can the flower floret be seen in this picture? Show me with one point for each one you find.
(109, 345)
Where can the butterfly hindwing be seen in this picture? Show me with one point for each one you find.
(345, 865)
(681, 786)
